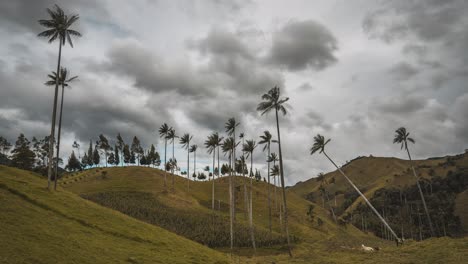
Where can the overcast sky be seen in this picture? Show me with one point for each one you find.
(355, 71)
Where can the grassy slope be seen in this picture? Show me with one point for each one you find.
(150, 180)
(59, 227)
(373, 173)
(326, 244)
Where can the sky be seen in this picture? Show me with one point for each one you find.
(354, 71)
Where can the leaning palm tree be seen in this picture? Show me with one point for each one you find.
(185, 141)
(64, 81)
(402, 137)
(249, 148)
(228, 147)
(319, 145)
(171, 135)
(266, 139)
(210, 144)
(193, 149)
(163, 132)
(58, 28)
(272, 101)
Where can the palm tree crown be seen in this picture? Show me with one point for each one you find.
(171, 135)
(272, 158)
(249, 147)
(265, 139)
(211, 143)
(64, 79)
(228, 145)
(319, 144)
(59, 26)
(402, 136)
(185, 140)
(193, 148)
(272, 101)
(231, 126)
(164, 130)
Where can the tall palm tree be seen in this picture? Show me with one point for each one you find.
(272, 101)
(185, 141)
(265, 140)
(171, 135)
(319, 145)
(58, 27)
(230, 126)
(210, 144)
(163, 132)
(242, 161)
(218, 141)
(64, 81)
(402, 137)
(273, 158)
(193, 149)
(228, 147)
(249, 148)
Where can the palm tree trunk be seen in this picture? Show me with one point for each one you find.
(269, 198)
(252, 235)
(246, 198)
(58, 138)
(285, 208)
(165, 162)
(188, 166)
(173, 160)
(365, 199)
(421, 194)
(195, 164)
(234, 178)
(219, 169)
(231, 224)
(213, 185)
(54, 116)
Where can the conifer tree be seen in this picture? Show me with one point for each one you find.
(96, 157)
(22, 156)
(116, 155)
(73, 163)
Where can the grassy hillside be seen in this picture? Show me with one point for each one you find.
(328, 243)
(118, 187)
(373, 173)
(37, 226)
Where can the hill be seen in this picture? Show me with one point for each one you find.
(38, 226)
(390, 185)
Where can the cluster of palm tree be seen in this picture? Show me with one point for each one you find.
(58, 28)
(215, 144)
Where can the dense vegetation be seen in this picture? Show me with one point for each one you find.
(209, 229)
(403, 209)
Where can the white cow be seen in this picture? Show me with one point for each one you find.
(367, 249)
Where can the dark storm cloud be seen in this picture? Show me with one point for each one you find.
(223, 43)
(400, 105)
(313, 119)
(303, 44)
(403, 71)
(148, 71)
(428, 20)
(22, 15)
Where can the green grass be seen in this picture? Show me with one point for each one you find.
(38, 226)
